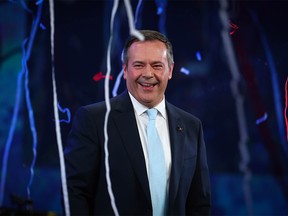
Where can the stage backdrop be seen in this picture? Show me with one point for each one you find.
(230, 71)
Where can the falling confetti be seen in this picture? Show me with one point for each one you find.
(198, 56)
(100, 76)
(286, 107)
(239, 103)
(262, 119)
(117, 83)
(234, 28)
(184, 70)
(24, 71)
(68, 113)
(56, 115)
(275, 84)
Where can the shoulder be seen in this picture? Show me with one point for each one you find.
(94, 107)
(178, 112)
(99, 108)
(183, 118)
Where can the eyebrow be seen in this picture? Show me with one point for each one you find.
(143, 62)
(157, 62)
(138, 62)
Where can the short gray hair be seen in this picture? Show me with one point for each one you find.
(149, 35)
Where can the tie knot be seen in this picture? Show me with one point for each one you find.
(152, 113)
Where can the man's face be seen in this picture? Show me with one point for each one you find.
(147, 71)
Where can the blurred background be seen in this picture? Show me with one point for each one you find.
(231, 73)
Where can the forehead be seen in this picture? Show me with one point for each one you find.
(148, 50)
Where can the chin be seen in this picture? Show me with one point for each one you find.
(146, 102)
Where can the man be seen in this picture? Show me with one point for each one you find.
(185, 185)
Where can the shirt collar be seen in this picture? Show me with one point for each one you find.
(140, 108)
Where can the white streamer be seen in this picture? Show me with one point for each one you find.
(137, 34)
(108, 108)
(56, 115)
(133, 31)
(228, 47)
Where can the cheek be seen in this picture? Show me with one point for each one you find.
(164, 77)
(132, 75)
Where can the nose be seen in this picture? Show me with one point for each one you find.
(148, 72)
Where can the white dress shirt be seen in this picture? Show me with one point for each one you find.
(162, 128)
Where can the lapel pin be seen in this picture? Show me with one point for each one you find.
(180, 129)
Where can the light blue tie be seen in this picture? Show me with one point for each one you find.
(157, 171)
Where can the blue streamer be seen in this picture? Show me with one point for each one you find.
(32, 124)
(184, 70)
(138, 20)
(42, 26)
(24, 71)
(262, 119)
(28, 100)
(117, 83)
(198, 56)
(239, 104)
(11, 133)
(161, 11)
(275, 84)
(67, 111)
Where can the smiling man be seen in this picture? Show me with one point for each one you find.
(157, 154)
(147, 71)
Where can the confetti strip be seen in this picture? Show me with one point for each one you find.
(184, 70)
(25, 58)
(198, 56)
(133, 31)
(97, 77)
(275, 84)
(117, 83)
(161, 12)
(137, 13)
(286, 107)
(108, 108)
(28, 102)
(56, 115)
(11, 133)
(234, 28)
(262, 119)
(137, 34)
(232, 63)
(67, 111)
(32, 126)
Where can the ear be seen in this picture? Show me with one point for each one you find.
(124, 66)
(171, 71)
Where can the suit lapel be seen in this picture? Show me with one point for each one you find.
(126, 123)
(127, 126)
(176, 131)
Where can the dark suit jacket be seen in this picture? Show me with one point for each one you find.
(189, 192)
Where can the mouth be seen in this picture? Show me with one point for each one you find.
(148, 85)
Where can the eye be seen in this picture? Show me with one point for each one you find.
(138, 65)
(158, 66)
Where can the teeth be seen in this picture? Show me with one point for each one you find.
(147, 85)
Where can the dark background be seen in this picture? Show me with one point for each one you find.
(81, 40)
